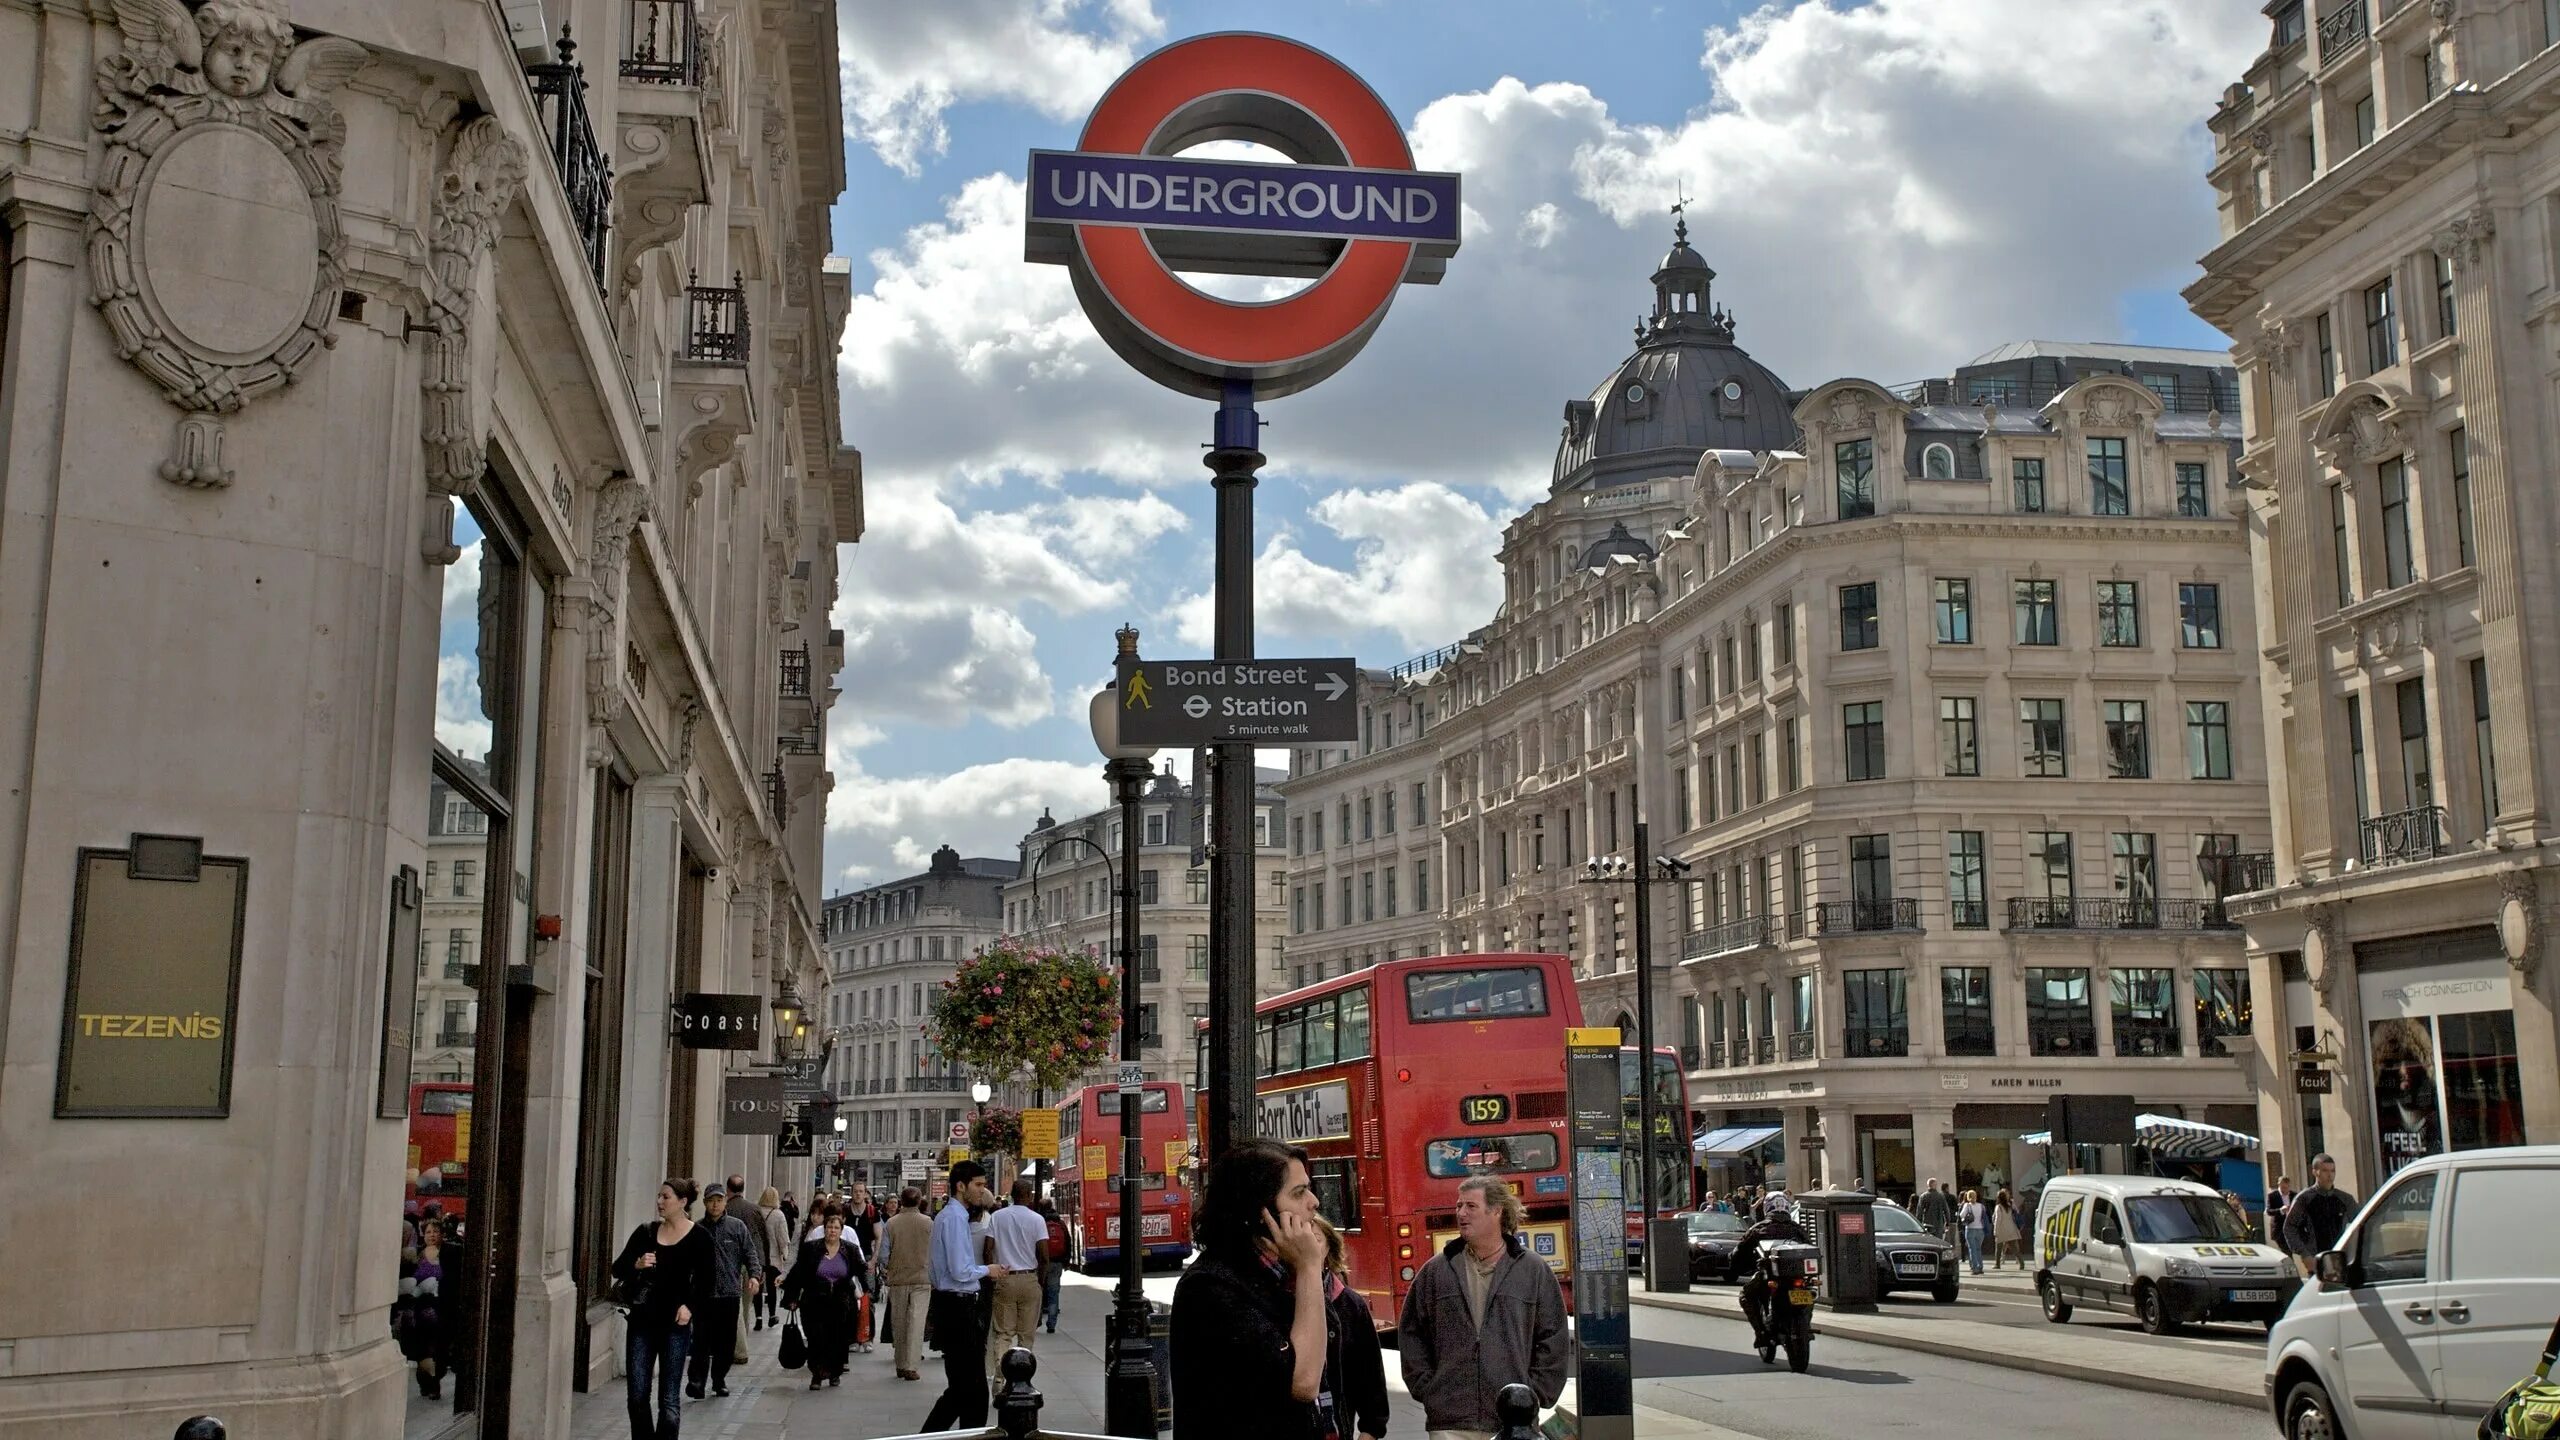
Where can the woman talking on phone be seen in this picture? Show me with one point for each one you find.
(1249, 1315)
(663, 1277)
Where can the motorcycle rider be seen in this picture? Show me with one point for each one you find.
(1778, 1223)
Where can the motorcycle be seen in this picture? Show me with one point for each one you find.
(1789, 1278)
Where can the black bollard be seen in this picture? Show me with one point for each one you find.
(1516, 1406)
(202, 1427)
(1017, 1404)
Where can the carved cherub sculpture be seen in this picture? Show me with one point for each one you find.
(242, 50)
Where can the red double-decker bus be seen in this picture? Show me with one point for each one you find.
(440, 1144)
(1403, 1079)
(1088, 1177)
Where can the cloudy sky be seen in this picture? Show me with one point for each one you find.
(1886, 188)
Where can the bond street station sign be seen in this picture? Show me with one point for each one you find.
(1124, 210)
(1182, 704)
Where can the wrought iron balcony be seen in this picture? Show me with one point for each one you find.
(2341, 28)
(665, 44)
(1868, 1042)
(2050, 1037)
(1838, 917)
(1746, 934)
(935, 1084)
(1688, 1057)
(2409, 835)
(2240, 874)
(1715, 1054)
(1764, 1050)
(777, 794)
(1969, 1038)
(446, 1039)
(1800, 1045)
(2146, 1040)
(2115, 914)
(586, 175)
(800, 744)
(1969, 914)
(716, 331)
(795, 673)
(1150, 971)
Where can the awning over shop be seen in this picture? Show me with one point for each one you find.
(2172, 1137)
(1732, 1139)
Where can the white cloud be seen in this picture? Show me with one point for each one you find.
(1422, 567)
(882, 826)
(906, 63)
(461, 724)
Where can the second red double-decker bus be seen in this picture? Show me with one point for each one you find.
(440, 1145)
(1403, 1079)
(1088, 1185)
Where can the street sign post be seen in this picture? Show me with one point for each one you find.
(1596, 1115)
(959, 1132)
(1040, 1134)
(1181, 704)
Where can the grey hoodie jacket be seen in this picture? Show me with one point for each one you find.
(1455, 1369)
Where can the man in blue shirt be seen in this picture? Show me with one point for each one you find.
(959, 1325)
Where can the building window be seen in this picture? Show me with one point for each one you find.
(1298, 836)
(1862, 739)
(2199, 615)
(2417, 773)
(2192, 501)
(1871, 871)
(1858, 627)
(1195, 887)
(2038, 622)
(2447, 323)
(2397, 569)
(1937, 461)
(2482, 743)
(1782, 629)
(2109, 491)
(2222, 1007)
(1155, 830)
(1680, 691)
(1387, 892)
(2041, 740)
(1421, 885)
(1966, 908)
(2059, 1018)
(1369, 895)
(1959, 739)
(1680, 808)
(1953, 608)
(1794, 748)
(2355, 757)
(2209, 739)
(2458, 449)
(2381, 335)
(1730, 670)
(462, 873)
(1387, 811)
(1368, 819)
(1964, 1008)
(2137, 879)
(2128, 740)
(2365, 120)
(2341, 554)
(2026, 476)
(1732, 779)
(1875, 1015)
(2289, 25)
(1853, 464)
(1147, 887)
(2119, 613)
(2049, 876)
(1751, 653)
(2324, 348)
(2145, 1003)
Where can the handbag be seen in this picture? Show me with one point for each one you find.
(629, 1295)
(862, 1317)
(794, 1351)
(738, 1333)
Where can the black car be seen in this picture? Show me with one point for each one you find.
(1910, 1258)
(1713, 1236)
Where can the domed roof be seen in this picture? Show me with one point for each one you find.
(1686, 390)
(1614, 544)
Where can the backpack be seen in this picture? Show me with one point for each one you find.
(1057, 1239)
(2530, 1411)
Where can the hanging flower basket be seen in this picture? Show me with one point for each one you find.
(997, 1132)
(1014, 1007)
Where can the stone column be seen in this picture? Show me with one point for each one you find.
(2297, 527)
(1932, 1122)
(2525, 921)
(2346, 1111)
(1839, 1146)
(649, 979)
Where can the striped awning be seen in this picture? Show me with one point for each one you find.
(1732, 1139)
(2177, 1139)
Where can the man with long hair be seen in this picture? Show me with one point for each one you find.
(1249, 1315)
(1482, 1314)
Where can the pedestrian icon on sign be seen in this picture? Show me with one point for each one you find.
(1138, 693)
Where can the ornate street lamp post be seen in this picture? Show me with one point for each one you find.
(1129, 1373)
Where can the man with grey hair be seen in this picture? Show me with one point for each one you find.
(1482, 1314)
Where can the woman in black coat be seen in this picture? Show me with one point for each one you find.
(824, 1289)
(1355, 1373)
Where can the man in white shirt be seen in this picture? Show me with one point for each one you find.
(1020, 1236)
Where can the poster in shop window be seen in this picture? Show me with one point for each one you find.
(2405, 1115)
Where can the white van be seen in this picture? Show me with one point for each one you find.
(2438, 1298)
(2169, 1252)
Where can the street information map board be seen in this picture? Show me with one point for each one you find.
(1595, 1103)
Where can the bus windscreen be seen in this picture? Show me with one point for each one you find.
(1497, 993)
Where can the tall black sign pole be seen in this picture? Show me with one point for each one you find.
(1129, 1380)
(1235, 453)
(1649, 1203)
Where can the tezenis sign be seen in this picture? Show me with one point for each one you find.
(1125, 210)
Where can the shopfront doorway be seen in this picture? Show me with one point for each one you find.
(1885, 1156)
(2441, 1039)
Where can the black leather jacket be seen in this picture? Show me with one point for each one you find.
(1781, 1227)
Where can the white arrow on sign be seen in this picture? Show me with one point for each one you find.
(1332, 687)
(1196, 707)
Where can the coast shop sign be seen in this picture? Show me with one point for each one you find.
(154, 989)
(1125, 210)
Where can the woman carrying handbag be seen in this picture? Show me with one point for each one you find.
(824, 1293)
(661, 1280)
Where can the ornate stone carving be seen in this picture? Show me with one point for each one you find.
(2444, 13)
(2273, 335)
(2521, 923)
(2463, 236)
(2366, 433)
(2263, 139)
(215, 254)
(684, 733)
(2400, 630)
(2323, 954)
(2110, 407)
(619, 508)
(479, 182)
(1849, 410)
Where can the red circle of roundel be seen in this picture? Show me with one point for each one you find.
(1324, 314)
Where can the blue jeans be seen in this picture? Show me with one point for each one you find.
(1049, 1282)
(1973, 1246)
(662, 1350)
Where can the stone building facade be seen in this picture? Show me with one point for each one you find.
(419, 454)
(2389, 184)
(889, 947)
(1071, 906)
(1941, 695)
(1364, 840)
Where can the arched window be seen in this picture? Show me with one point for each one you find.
(1938, 462)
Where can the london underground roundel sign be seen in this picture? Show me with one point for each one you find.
(1124, 210)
